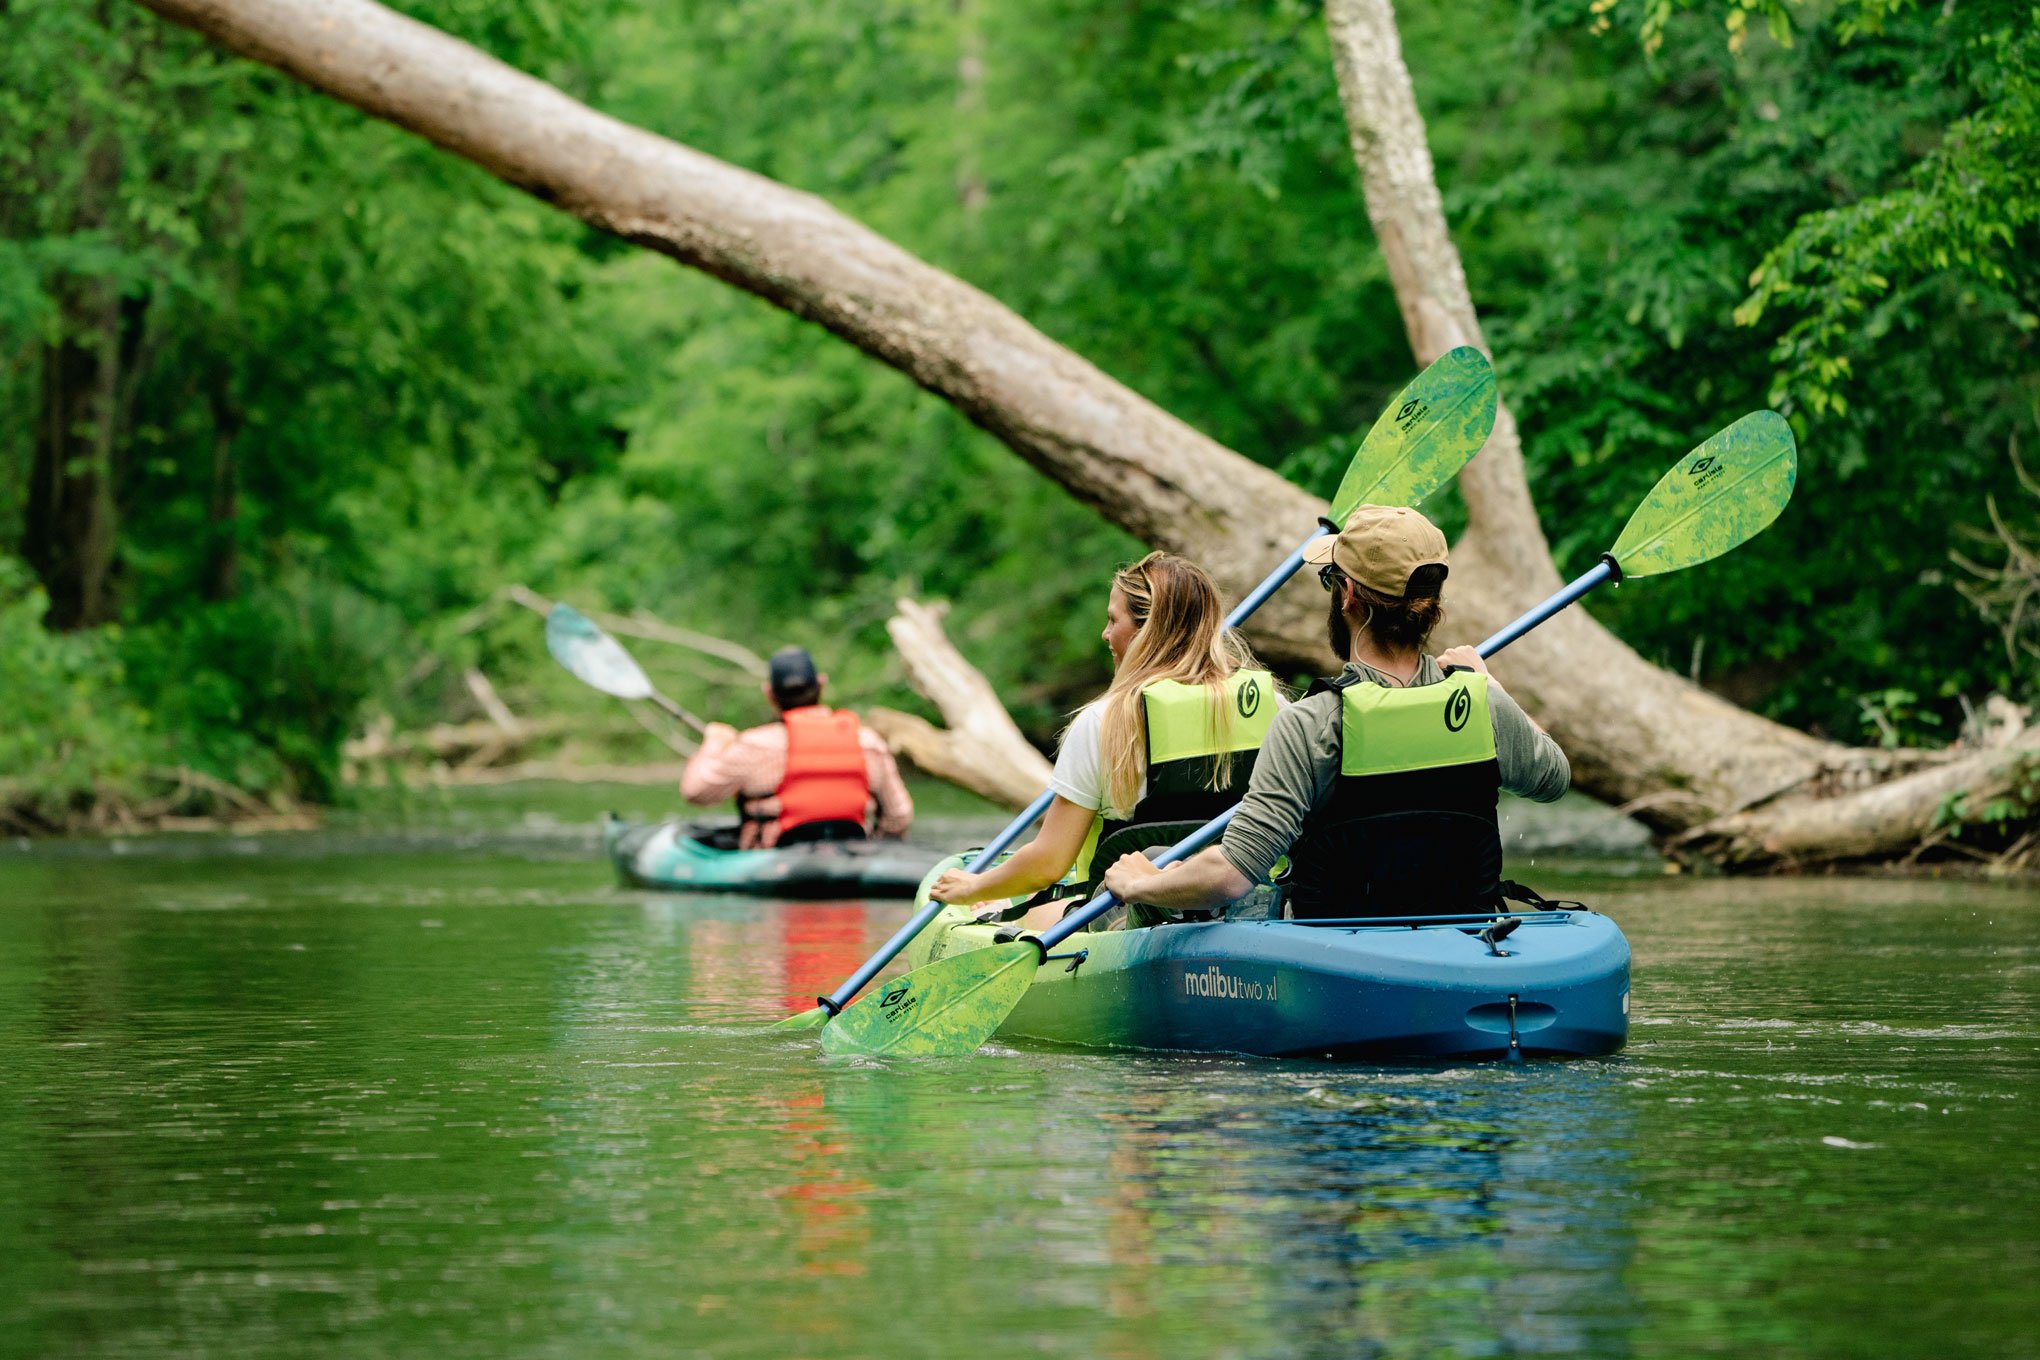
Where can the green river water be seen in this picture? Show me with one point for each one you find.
(457, 1094)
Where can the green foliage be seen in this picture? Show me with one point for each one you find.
(71, 726)
(1893, 718)
(261, 690)
(364, 385)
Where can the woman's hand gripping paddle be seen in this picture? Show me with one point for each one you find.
(599, 660)
(1430, 431)
(1722, 494)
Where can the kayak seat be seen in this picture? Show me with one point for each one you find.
(812, 833)
(715, 835)
(1126, 840)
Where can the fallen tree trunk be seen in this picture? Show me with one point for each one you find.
(1983, 805)
(1679, 756)
(981, 749)
(1684, 761)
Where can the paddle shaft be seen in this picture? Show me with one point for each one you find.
(838, 999)
(1278, 577)
(674, 710)
(835, 1001)
(1604, 571)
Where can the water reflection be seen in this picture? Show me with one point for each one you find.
(407, 1107)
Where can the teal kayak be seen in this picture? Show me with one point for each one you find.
(668, 855)
(1426, 987)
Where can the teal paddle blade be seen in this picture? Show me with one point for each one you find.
(1429, 432)
(814, 1017)
(1720, 495)
(595, 658)
(944, 1010)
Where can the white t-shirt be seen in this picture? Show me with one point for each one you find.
(1080, 764)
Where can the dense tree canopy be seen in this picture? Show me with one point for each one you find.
(340, 386)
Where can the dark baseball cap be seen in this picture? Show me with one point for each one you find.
(793, 670)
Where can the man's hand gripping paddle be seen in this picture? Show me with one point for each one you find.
(1430, 431)
(1720, 495)
(599, 660)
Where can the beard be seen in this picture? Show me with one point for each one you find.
(1338, 632)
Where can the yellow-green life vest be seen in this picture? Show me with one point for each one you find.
(1409, 826)
(1188, 737)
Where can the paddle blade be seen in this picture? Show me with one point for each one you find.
(594, 657)
(814, 1017)
(1720, 495)
(944, 1010)
(1430, 431)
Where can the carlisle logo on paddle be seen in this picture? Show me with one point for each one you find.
(1412, 411)
(1458, 709)
(898, 1003)
(1248, 700)
(1705, 471)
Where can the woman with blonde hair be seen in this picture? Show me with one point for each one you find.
(1170, 744)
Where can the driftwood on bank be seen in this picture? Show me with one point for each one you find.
(556, 772)
(980, 749)
(168, 798)
(1680, 757)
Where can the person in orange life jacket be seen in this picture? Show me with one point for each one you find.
(1172, 739)
(1383, 809)
(816, 774)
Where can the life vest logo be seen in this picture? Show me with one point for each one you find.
(1248, 699)
(1705, 471)
(1458, 709)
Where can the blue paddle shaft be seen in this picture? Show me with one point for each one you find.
(1606, 570)
(1602, 572)
(1105, 901)
(1276, 580)
(838, 999)
(902, 937)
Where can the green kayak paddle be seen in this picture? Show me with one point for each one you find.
(1435, 425)
(1722, 494)
(599, 660)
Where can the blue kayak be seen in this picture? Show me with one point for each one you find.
(670, 855)
(1556, 982)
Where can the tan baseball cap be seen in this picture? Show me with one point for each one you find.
(1381, 547)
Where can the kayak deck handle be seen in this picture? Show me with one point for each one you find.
(1493, 936)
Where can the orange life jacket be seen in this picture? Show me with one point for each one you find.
(825, 776)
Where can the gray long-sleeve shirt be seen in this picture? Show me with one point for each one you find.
(1300, 759)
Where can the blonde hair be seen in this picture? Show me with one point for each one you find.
(1180, 635)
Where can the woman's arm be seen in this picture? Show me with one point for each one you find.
(1034, 866)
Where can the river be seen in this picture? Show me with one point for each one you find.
(458, 1094)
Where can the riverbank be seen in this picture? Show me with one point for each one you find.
(559, 819)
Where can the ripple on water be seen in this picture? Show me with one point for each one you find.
(258, 1104)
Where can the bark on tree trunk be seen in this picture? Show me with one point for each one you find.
(68, 536)
(981, 749)
(1679, 755)
(223, 506)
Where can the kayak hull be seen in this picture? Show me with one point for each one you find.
(664, 856)
(1557, 985)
